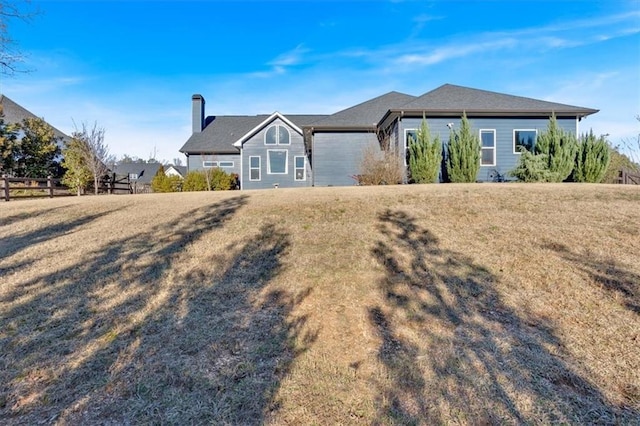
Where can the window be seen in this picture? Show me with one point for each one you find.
(524, 140)
(277, 135)
(208, 164)
(409, 135)
(300, 169)
(133, 176)
(283, 136)
(487, 147)
(254, 168)
(277, 161)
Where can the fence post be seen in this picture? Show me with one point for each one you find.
(50, 185)
(5, 187)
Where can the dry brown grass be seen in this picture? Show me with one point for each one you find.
(439, 304)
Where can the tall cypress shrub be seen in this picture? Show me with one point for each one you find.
(463, 154)
(592, 159)
(425, 155)
(560, 149)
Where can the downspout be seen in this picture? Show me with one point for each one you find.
(242, 169)
(313, 174)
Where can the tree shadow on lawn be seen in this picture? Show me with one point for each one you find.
(121, 337)
(454, 352)
(19, 217)
(623, 285)
(18, 241)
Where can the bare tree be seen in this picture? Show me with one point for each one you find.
(10, 54)
(632, 146)
(94, 152)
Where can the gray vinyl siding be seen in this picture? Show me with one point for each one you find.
(337, 156)
(194, 161)
(255, 147)
(505, 157)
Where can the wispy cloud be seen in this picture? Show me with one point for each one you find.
(282, 62)
(420, 22)
(541, 39)
(441, 54)
(292, 57)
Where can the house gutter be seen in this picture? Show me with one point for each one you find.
(314, 129)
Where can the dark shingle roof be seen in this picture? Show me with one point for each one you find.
(14, 113)
(222, 131)
(366, 114)
(456, 99)
(150, 170)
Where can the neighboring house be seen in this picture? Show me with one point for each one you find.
(141, 174)
(281, 150)
(171, 170)
(15, 114)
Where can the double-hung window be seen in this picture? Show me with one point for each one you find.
(254, 168)
(488, 147)
(299, 163)
(409, 135)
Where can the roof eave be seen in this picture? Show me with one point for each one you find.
(583, 112)
(315, 129)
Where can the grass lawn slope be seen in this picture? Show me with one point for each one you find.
(436, 304)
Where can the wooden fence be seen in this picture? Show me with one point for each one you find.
(20, 187)
(628, 178)
(112, 185)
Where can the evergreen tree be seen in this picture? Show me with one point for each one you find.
(560, 148)
(533, 168)
(463, 154)
(36, 154)
(77, 175)
(592, 159)
(8, 141)
(163, 183)
(214, 179)
(425, 155)
(195, 180)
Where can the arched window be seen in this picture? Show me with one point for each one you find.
(277, 135)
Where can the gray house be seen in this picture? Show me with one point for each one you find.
(280, 150)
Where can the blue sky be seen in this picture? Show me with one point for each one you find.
(132, 66)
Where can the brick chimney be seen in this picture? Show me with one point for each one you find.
(197, 114)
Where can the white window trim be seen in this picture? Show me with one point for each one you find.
(494, 148)
(213, 164)
(259, 168)
(515, 151)
(406, 143)
(226, 161)
(286, 161)
(304, 168)
(277, 126)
